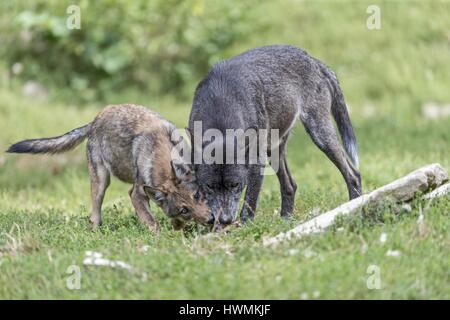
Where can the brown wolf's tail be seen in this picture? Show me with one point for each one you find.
(52, 145)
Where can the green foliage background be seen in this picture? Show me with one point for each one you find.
(163, 48)
(157, 46)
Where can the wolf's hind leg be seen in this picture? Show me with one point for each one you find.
(140, 202)
(100, 179)
(319, 126)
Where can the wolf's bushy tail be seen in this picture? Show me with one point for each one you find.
(52, 145)
(340, 115)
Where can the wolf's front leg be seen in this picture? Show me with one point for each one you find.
(254, 184)
(140, 202)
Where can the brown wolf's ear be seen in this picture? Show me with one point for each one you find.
(183, 172)
(196, 147)
(155, 193)
(189, 133)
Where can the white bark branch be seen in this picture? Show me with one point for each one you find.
(439, 192)
(401, 190)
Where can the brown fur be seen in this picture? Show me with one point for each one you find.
(134, 144)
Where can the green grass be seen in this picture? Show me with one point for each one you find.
(387, 75)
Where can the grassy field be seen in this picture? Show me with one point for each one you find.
(387, 76)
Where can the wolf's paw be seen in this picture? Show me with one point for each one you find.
(95, 224)
(154, 228)
(227, 228)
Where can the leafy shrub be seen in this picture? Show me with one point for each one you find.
(158, 46)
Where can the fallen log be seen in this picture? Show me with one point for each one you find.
(439, 192)
(402, 190)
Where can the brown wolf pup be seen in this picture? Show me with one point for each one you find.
(134, 144)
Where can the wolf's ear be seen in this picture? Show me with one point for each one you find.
(155, 193)
(195, 147)
(189, 134)
(183, 172)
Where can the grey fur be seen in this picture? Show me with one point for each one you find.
(271, 88)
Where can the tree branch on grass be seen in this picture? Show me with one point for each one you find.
(402, 190)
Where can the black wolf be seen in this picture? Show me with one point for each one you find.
(271, 88)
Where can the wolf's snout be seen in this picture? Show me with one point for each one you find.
(225, 219)
(211, 219)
